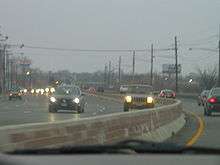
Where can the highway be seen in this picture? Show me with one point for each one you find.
(205, 134)
(34, 109)
(210, 133)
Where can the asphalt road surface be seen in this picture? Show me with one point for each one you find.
(210, 136)
(34, 109)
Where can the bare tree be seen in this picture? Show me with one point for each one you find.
(207, 78)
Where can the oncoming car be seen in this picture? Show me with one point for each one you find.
(167, 93)
(123, 88)
(212, 103)
(15, 94)
(138, 96)
(67, 98)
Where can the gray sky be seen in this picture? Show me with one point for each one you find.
(112, 24)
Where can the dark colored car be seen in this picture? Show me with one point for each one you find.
(167, 93)
(212, 103)
(100, 89)
(202, 97)
(139, 96)
(15, 94)
(67, 98)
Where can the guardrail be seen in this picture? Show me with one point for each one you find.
(156, 124)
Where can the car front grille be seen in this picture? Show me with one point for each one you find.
(67, 101)
(139, 99)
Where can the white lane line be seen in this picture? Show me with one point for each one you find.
(27, 111)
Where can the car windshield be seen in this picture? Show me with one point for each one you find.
(67, 91)
(216, 91)
(15, 90)
(93, 72)
(168, 91)
(204, 93)
(140, 89)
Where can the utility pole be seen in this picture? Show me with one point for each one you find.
(152, 62)
(109, 73)
(133, 66)
(119, 70)
(4, 69)
(105, 75)
(176, 65)
(11, 73)
(219, 58)
(7, 71)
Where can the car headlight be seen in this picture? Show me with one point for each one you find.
(37, 91)
(25, 90)
(52, 90)
(47, 90)
(76, 100)
(150, 100)
(53, 99)
(32, 91)
(10, 94)
(42, 91)
(128, 99)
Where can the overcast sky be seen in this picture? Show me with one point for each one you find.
(112, 24)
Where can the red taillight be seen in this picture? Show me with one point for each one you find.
(174, 94)
(212, 100)
(162, 94)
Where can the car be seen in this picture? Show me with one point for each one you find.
(100, 89)
(167, 93)
(138, 96)
(123, 89)
(92, 90)
(202, 97)
(15, 93)
(212, 103)
(49, 90)
(67, 98)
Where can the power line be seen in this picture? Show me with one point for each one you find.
(94, 50)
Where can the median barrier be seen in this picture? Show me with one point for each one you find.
(156, 124)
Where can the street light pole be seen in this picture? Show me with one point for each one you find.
(176, 65)
(152, 63)
(219, 58)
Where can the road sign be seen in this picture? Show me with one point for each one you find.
(171, 68)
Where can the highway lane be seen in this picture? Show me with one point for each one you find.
(210, 134)
(34, 109)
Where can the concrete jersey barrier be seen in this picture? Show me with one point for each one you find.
(95, 130)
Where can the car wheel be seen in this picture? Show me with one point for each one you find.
(80, 110)
(205, 113)
(151, 106)
(126, 108)
(52, 109)
(209, 113)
